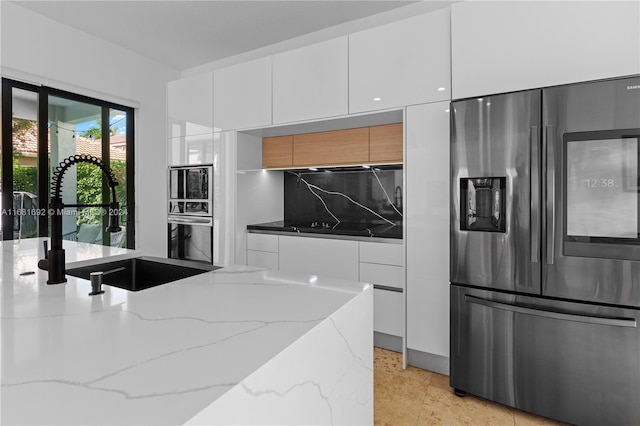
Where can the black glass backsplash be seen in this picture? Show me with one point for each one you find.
(368, 196)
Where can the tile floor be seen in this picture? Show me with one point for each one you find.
(420, 397)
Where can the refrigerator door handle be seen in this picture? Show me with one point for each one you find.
(589, 319)
(534, 171)
(551, 196)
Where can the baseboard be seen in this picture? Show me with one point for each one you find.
(387, 341)
(427, 361)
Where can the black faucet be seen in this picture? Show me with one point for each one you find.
(54, 261)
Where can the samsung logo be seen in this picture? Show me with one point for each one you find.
(637, 86)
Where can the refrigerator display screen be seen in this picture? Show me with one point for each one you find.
(602, 188)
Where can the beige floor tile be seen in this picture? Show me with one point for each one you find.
(397, 399)
(440, 381)
(419, 397)
(442, 407)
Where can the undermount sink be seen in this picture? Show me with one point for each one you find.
(140, 273)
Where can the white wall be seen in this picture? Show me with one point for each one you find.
(38, 50)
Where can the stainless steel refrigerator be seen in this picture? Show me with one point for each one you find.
(545, 250)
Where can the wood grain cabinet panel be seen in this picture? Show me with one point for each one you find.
(385, 143)
(340, 147)
(277, 152)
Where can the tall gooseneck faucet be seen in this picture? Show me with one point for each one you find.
(54, 261)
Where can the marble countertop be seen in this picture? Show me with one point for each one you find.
(158, 356)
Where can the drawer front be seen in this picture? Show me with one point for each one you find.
(262, 259)
(318, 256)
(385, 253)
(386, 275)
(388, 312)
(262, 242)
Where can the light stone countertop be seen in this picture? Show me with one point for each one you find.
(158, 356)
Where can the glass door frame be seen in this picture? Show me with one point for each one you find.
(43, 160)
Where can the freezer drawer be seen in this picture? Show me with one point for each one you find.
(575, 362)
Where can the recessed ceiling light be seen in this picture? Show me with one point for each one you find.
(479, 99)
(488, 103)
(441, 89)
(377, 99)
(313, 169)
(365, 166)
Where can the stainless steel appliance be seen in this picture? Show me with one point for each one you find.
(190, 219)
(545, 250)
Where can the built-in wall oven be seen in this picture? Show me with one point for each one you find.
(190, 219)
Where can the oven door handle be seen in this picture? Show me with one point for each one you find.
(590, 319)
(190, 220)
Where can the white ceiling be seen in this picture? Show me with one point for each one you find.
(186, 34)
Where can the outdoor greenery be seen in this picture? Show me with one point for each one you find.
(89, 187)
(25, 178)
(95, 132)
(88, 176)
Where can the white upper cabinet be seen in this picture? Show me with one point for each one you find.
(311, 82)
(190, 106)
(401, 63)
(243, 95)
(505, 46)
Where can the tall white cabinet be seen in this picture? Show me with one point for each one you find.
(190, 130)
(403, 63)
(427, 223)
(190, 106)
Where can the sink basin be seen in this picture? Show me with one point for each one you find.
(140, 273)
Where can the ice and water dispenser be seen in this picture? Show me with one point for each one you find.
(482, 204)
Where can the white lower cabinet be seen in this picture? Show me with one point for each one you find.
(380, 264)
(382, 275)
(320, 256)
(388, 312)
(262, 251)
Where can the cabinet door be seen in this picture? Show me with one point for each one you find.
(339, 147)
(262, 259)
(262, 242)
(277, 152)
(242, 95)
(388, 312)
(190, 106)
(402, 63)
(385, 143)
(507, 46)
(383, 253)
(192, 149)
(319, 256)
(382, 275)
(311, 82)
(427, 222)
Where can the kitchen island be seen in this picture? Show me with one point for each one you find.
(238, 345)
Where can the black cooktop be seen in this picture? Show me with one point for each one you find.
(364, 229)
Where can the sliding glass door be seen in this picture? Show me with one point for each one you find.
(48, 126)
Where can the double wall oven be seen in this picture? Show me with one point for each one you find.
(190, 218)
(545, 250)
